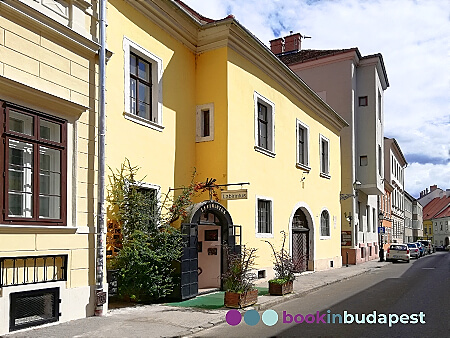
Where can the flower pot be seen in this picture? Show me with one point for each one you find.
(276, 289)
(240, 300)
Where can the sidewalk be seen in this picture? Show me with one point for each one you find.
(170, 321)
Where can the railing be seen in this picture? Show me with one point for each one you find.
(32, 270)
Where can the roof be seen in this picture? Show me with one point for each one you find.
(437, 208)
(306, 55)
(202, 19)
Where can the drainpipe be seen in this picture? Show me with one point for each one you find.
(100, 299)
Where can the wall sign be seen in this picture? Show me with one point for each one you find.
(234, 194)
(346, 238)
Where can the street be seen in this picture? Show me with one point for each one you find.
(422, 286)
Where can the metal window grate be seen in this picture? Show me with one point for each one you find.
(32, 269)
(32, 308)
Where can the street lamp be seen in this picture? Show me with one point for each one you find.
(380, 237)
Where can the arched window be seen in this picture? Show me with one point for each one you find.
(325, 223)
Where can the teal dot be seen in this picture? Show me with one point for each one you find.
(251, 317)
(270, 317)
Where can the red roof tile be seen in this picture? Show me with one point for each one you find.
(312, 54)
(437, 208)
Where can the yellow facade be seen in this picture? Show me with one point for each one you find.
(204, 66)
(51, 69)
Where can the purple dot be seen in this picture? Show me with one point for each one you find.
(233, 317)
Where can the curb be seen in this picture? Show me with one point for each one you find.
(270, 303)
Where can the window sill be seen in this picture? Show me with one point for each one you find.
(204, 139)
(51, 229)
(327, 176)
(265, 151)
(264, 235)
(303, 167)
(143, 122)
(324, 237)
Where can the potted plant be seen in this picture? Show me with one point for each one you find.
(238, 280)
(283, 282)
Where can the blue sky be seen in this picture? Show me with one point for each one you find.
(413, 37)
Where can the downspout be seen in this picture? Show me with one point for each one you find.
(100, 299)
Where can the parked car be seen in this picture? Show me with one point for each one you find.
(427, 245)
(440, 248)
(398, 252)
(421, 248)
(414, 250)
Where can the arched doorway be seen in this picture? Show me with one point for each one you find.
(300, 241)
(447, 242)
(215, 229)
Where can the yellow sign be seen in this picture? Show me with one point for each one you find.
(234, 194)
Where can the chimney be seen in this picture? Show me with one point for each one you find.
(433, 187)
(277, 46)
(292, 43)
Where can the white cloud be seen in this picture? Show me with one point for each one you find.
(412, 36)
(421, 176)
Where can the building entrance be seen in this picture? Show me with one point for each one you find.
(300, 241)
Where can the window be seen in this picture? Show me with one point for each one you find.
(143, 86)
(363, 161)
(324, 156)
(264, 125)
(302, 145)
(379, 106)
(264, 217)
(363, 101)
(368, 217)
(140, 87)
(380, 157)
(374, 220)
(325, 224)
(34, 188)
(205, 122)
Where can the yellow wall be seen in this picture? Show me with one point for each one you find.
(277, 178)
(211, 87)
(52, 74)
(165, 157)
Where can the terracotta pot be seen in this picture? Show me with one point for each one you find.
(276, 289)
(240, 300)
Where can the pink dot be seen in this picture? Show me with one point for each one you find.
(233, 317)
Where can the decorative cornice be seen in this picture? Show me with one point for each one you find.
(32, 18)
(23, 92)
(247, 45)
(229, 33)
(172, 18)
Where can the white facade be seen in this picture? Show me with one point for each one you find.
(395, 164)
(408, 234)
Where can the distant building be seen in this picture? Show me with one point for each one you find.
(408, 231)
(437, 212)
(394, 165)
(427, 195)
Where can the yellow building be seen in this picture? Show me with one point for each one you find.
(48, 88)
(185, 91)
(428, 230)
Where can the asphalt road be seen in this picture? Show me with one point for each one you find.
(420, 290)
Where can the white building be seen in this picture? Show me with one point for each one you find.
(395, 164)
(353, 85)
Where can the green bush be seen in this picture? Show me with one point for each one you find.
(150, 245)
(144, 264)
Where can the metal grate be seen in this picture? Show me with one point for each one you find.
(300, 251)
(32, 308)
(32, 269)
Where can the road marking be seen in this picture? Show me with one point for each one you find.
(428, 268)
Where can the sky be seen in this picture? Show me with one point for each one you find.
(413, 37)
